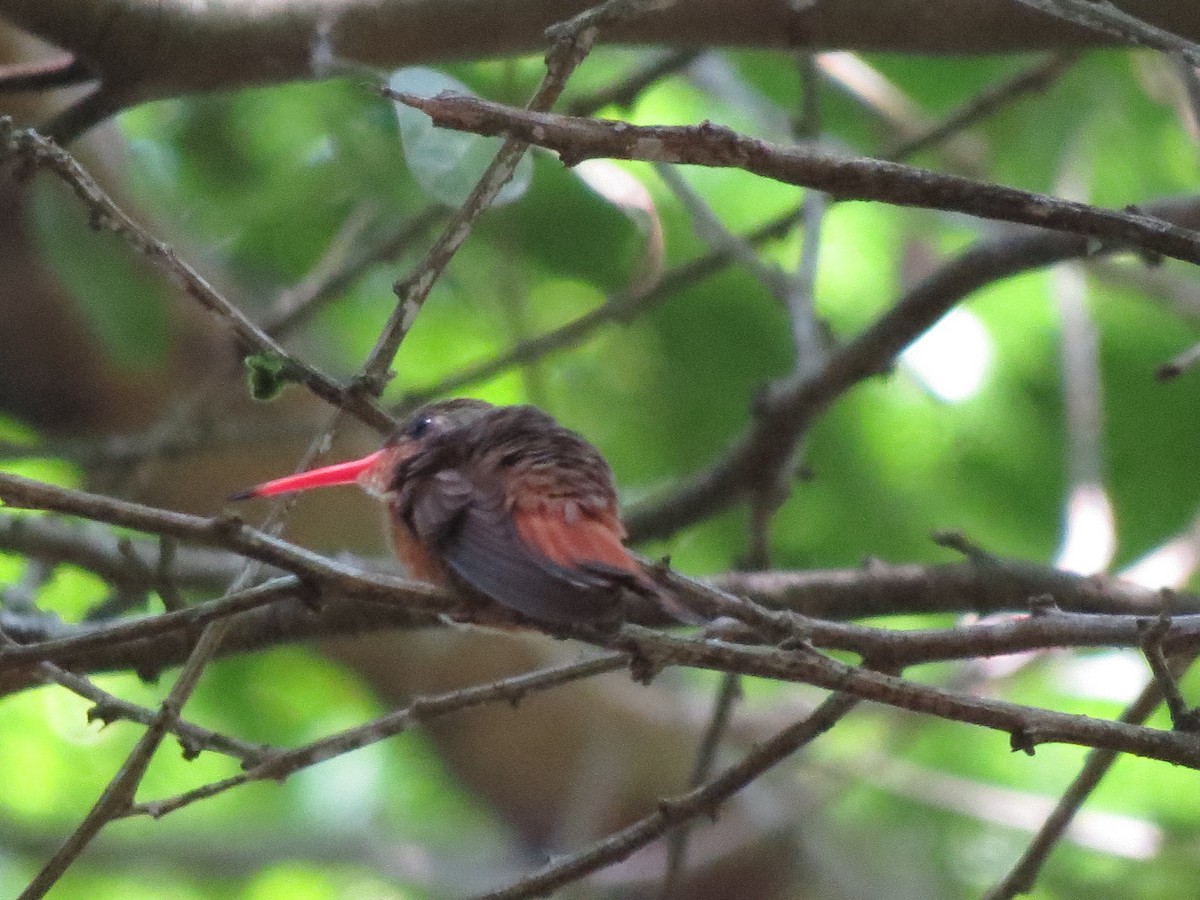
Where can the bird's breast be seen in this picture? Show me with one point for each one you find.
(417, 559)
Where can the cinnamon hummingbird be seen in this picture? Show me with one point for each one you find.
(502, 501)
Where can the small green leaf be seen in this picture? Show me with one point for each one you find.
(267, 373)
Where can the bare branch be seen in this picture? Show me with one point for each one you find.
(28, 147)
(987, 102)
(621, 307)
(1026, 726)
(109, 708)
(677, 810)
(729, 692)
(784, 415)
(844, 178)
(169, 48)
(294, 307)
(227, 531)
(119, 793)
(282, 764)
(1183, 717)
(1105, 17)
(571, 42)
(623, 93)
(282, 610)
(1020, 879)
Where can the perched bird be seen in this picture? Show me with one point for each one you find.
(503, 501)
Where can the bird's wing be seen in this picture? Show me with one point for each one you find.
(522, 561)
(590, 541)
(573, 536)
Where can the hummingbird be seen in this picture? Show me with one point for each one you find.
(504, 502)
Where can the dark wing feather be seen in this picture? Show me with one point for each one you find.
(436, 504)
(472, 530)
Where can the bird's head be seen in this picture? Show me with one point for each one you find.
(375, 472)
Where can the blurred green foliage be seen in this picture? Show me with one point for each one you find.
(259, 184)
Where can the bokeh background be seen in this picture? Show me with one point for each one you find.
(1034, 392)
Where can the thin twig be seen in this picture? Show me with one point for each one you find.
(571, 43)
(1021, 878)
(279, 765)
(1089, 532)
(807, 332)
(164, 576)
(729, 692)
(712, 231)
(1183, 717)
(32, 148)
(846, 178)
(109, 708)
(621, 307)
(623, 93)
(119, 793)
(1105, 17)
(296, 306)
(986, 103)
(674, 811)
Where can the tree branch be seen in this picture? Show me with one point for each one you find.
(282, 764)
(785, 414)
(30, 148)
(845, 178)
(172, 47)
(674, 811)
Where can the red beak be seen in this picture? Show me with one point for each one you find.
(339, 473)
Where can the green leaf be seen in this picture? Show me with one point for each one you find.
(447, 164)
(267, 373)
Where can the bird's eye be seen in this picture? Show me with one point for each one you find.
(420, 427)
